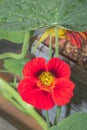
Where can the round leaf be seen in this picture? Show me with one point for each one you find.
(77, 121)
(15, 66)
(23, 15)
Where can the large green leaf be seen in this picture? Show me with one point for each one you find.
(77, 121)
(15, 66)
(22, 15)
(15, 37)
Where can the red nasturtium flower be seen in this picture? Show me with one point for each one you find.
(46, 84)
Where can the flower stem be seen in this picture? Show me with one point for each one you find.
(38, 118)
(24, 49)
(57, 115)
(50, 47)
(56, 43)
(9, 98)
(47, 119)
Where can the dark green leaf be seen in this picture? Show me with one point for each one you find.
(77, 121)
(23, 15)
(15, 66)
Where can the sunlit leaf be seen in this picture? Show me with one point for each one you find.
(15, 66)
(22, 15)
(15, 37)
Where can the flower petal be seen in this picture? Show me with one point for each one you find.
(40, 99)
(63, 91)
(34, 67)
(75, 38)
(25, 86)
(31, 94)
(59, 68)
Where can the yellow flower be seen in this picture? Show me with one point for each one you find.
(51, 31)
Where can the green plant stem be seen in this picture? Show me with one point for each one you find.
(24, 49)
(47, 119)
(50, 47)
(10, 93)
(56, 43)
(15, 81)
(6, 89)
(57, 115)
(39, 119)
(9, 98)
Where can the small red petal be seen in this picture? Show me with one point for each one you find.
(63, 91)
(59, 68)
(85, 33)
(34, 67)
(75, 38)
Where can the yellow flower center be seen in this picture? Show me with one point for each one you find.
(46, 81)
(46, 78)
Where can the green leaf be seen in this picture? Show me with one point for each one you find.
(23, 15)
(15, 66)
(77, 121)
(15, 37)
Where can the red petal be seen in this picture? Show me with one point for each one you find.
(85, 33)
(34, 67)
(63, 91)
(31, 94)
(25, 86)
(59, 68)
(40, 99)
(75, 38)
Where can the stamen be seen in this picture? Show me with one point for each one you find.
(46, 81)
